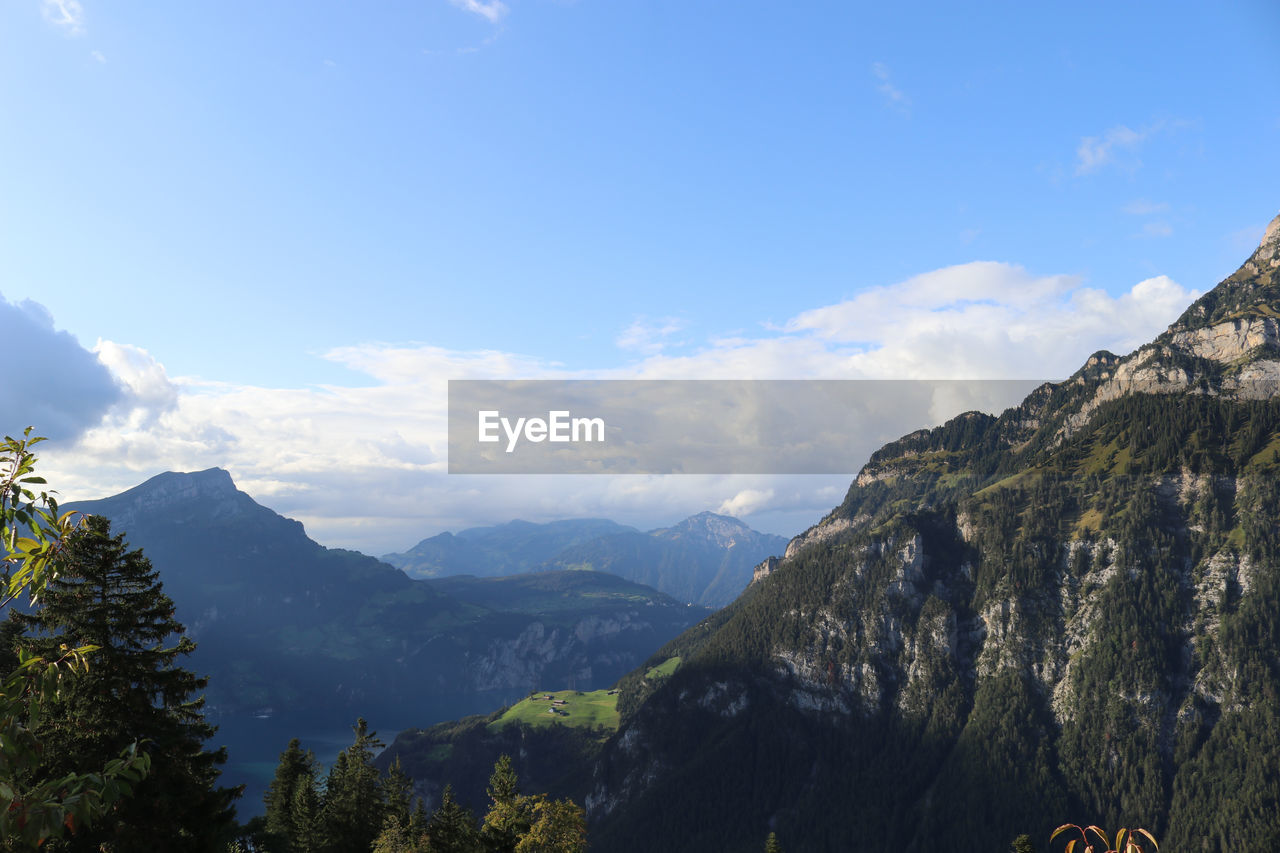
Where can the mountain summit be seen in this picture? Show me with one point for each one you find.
(1236, 319)
(1250, 293)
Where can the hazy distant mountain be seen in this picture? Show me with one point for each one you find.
(706, 559)
(281, 620)
(505, 549)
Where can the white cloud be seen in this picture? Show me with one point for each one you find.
(892, 93)
(746, 502)
(96, 56)
(68, 15)
(1095, 152)
(365, 467)
(150, 391)
(986, 320)
(650, 336)
(1157, 229)
(1118, 147)
(491, 10)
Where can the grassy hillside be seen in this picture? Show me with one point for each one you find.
(597, 708)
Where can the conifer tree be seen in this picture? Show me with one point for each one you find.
(296, 768)
(507, 819)
(398, 837)
(353, 802)
(111, 598)
(397, 795)
(452, 827)
(771, 844)
(516, 823)
(307, 831)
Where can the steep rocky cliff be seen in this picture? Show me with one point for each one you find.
(1070, 612)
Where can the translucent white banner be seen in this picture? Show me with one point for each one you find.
(698, 426)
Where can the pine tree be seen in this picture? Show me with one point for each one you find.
(452, 827)
(111, 598)
(296, 768)
(508, 818)
(307, 830)
(398, 837)
(771, 844)
(353, 801)
(516, 823)
(397, 794)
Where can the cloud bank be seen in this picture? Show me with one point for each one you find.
(364, 467)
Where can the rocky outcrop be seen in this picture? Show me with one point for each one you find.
(764, 569)
(820, 532)
(1229, 341)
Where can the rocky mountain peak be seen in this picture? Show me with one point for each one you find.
(1250, 294)
(724, 531)
(1268, 250)
(1227, 342)
(207, 495)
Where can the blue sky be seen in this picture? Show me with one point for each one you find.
(278, 228)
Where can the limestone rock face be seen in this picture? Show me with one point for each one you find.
(818, 533)
(1226, 342)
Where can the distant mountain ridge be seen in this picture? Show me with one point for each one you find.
(282, 620)
(504, 549)
(707, 559)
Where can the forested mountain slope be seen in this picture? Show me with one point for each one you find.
(1070, 612)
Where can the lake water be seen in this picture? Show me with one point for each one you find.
(254, 744)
